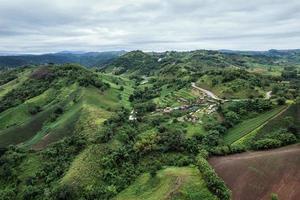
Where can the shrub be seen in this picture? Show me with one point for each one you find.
(286, 138)
(280, 100)
(8, 193)
(237, 148)
(154, 168)
(267, 143)
(34, 110)
(274, 196)
(280, 138)
(226, 150)
(220, 150)
(214, 183)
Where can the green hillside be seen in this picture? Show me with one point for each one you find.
(143, 126)
(53, 112)
(249, 125)
(170, 183)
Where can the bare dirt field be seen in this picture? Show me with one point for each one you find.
(255, 175)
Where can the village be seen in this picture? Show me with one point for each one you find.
(206, 103)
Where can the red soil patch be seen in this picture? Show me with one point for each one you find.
(255, 175)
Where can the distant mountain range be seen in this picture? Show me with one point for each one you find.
(88, 59)
(271, 52)
(102, 59)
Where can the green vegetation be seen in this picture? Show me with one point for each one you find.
(234, 83)
(170, 183)
(138, 128)
(249, 125)
(288, 120)
(90, 59)
(215, 184)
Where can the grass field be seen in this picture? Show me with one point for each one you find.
(116, 82)
(184, 183)
(195, 129)
(62, 127)
(85, 168)
(20, 114)
(245, 127)
(96, 108)
(92, 107)
(4, 89)
(23, 132)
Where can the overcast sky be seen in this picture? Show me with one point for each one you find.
(37, 26)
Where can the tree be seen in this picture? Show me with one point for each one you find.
(281, 100)
(267, 143)
(154, 168)
(34, 110)
(274, 196)
(231, 118)
(214, 82)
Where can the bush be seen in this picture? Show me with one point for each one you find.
(220, 150)
(214, 183)
(237, 148)
(286, 138)
(226, 150)
(274, 196)
(64, 192)
(267, 144)
(34, 110)
(280, 138)
(31, 192)
(154, 168)
(8, 193)
(280, 100)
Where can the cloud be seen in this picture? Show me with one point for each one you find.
(33, 26)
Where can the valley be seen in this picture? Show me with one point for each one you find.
(137, 125)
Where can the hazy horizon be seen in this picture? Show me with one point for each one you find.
(40, 26)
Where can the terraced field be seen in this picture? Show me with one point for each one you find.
(247, 126)
(171, 98)
(290, 116)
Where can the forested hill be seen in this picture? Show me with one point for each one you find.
(141, 63)
(90, 59)
(145, 63)
(145, 126)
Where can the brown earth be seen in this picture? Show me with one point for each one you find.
(255, 175)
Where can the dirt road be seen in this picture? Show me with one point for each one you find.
(268, 95)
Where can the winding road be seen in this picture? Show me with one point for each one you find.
(207, 92)
(215, 97)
